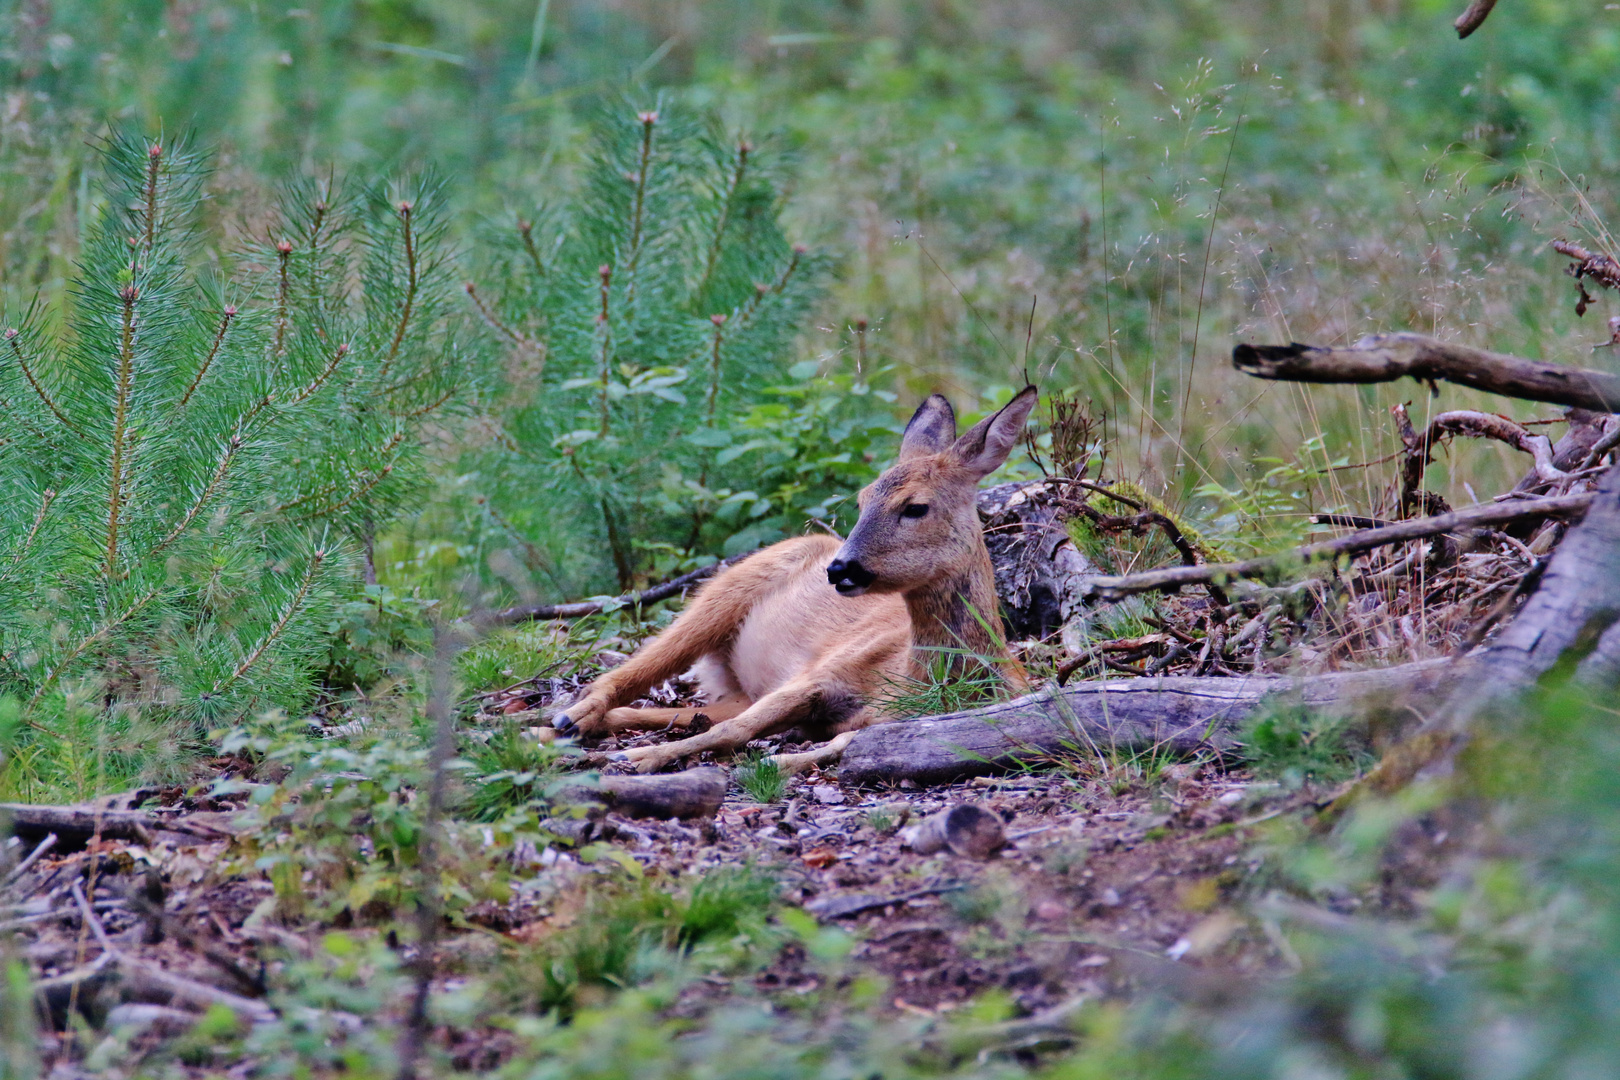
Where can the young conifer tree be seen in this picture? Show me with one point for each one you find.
(648, 309)
(186, 463)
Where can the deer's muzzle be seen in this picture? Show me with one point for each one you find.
(849, 577)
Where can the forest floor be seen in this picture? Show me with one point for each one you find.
(1104, 885)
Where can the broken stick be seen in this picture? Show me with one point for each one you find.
(1388, 357)
(1167, 580)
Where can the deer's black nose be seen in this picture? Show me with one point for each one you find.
(849, 577)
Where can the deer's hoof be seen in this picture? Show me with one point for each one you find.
(564, 724)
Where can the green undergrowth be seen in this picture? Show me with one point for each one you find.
(1296, 746)
(761, 777)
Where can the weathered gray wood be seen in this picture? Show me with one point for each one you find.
(1388, 357)
(1575, 612)
(1181, 714)
(691, 794)
(76, 824)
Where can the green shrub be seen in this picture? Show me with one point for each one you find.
(650, 317)
(187, 461)
(510, 770)
(622, 937)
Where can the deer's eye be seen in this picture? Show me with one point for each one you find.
(914, 510)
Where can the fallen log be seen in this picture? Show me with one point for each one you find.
(76, 825)
(1180, 714)
(1269, 566)
(1573, 613)
(1389, 357)
(693, 793)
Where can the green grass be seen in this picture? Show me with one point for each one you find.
(511, 769)
(627, 933)
(1295, 746)
(762, 778)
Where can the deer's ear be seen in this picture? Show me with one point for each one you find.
(985, 446)
(932, 428)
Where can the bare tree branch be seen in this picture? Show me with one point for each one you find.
(1118, 588)
(1388, 357)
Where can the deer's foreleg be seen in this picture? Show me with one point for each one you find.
(628, 719)
(777, 711)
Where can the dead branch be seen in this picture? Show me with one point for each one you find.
(33, 856)
(1479, 425)
(76, 824)
(1572, 617)
(176, 986)
(1145, 518)
(1118, 588)
(694, 793)
(1388, 357)
(1600, 268)
(671, 588)
(1474, 17)
(1181, 714)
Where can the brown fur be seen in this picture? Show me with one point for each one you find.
(777, 647)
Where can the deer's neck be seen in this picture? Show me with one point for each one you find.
(957, 613)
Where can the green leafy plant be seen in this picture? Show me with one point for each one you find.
(342, 831)
(762, 778)
(377, 635)
(627, 934)
(191, 464)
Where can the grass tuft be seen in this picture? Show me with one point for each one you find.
(1296, 746)
(762, 778)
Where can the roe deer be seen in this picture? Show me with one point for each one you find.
(808, 632)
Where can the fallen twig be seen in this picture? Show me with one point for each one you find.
(33, 856)
(1420, 448)
(1473, 17)
(177, 986)
(1171, 578)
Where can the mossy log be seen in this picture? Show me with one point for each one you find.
(1178, 714)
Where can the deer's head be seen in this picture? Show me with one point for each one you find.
(919, 523)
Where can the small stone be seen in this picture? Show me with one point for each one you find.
(1110, 898)
(1050, 910)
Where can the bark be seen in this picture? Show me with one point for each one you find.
(1584, 431)
(694, 793)
(1573, 617)
(1388, 357)
(1181, 714)
(966, 829)
(1040, 575)
(76, 825)
(1171, 578)
(1473, 17)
